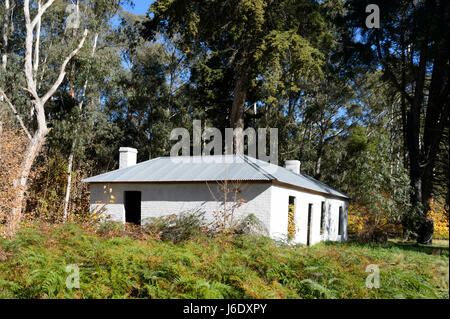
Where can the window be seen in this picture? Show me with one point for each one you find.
(291, 218)
(341, 220)
(322, 218)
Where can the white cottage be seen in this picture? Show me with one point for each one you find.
(172, 185)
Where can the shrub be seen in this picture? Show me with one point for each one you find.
(250, 224)
(12, 147)
(439, 215)
(367, 227)
(239, 266)
(110, 229)
(176, 228)
(187, 225)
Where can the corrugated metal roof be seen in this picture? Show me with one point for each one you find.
(210, 168)
(286, 176)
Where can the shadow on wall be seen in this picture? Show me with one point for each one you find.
(198, 192)
(329, 228)
(202, 192)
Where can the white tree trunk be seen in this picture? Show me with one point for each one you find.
(72, 149)
(36, 45)
(33, 149)
(38, 104)
(5, 34)
(69, 182)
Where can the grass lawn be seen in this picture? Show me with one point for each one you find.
(33, 265)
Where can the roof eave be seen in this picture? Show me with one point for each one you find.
(307, 190)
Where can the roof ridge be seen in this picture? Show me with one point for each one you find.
(119, 169)
(257, 167)
(321, 183)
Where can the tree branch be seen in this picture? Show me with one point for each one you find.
(37, 44)
(41, 11)
(62, 72)
(389, 71)
(31, 84)
(19, 119)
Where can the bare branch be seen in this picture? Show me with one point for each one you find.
(26, 10)
(31, 84)
(19, 119)
(6, 31)
(389, 71)
(37, 44)
(62, 72)
(41, 11)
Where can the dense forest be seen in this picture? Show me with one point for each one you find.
(364, 108)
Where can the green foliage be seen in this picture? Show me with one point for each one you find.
(336, 108)
(238, 266)
(189, 225)
(110, 229)
(380, 191)
(176, 228)
(250, 224)
(263, 49)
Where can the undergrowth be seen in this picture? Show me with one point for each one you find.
(113, 264)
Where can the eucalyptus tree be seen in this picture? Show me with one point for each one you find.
(86, 74)
(150, 97)
(7, 28)
(411, 46)
(37, 95)
(251, 38)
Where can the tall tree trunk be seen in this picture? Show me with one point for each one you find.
(423, 137)
(72, 149)
(20, 185)
(317, 170)
(5, 35)
(237, 111)
(69, 182)
(403, 106)
(423, 227)
(435, 121)
(38, 107)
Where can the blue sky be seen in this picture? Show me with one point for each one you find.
(140, 6)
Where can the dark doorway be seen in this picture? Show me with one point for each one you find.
(308, 239)
(133, 207)
(322, 218)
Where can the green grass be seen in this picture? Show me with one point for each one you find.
(240, 266)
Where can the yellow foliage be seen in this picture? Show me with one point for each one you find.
(291, 222)
(440, 218)
(355, 222)
(359, 222)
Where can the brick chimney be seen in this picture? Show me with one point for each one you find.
(127, 157)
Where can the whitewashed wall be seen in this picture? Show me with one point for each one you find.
(165, 199)
(269, 203)
(279, 216)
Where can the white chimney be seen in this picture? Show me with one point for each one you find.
(127, 157)
(293, 166)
